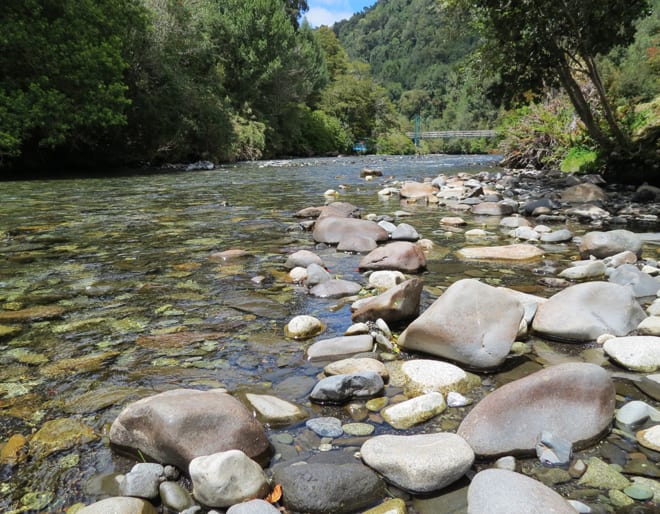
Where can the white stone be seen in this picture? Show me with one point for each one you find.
(455, 399)
(274, 410)
(425, 376)
(590, 269)
(419, 463)
(638, 353)
(649, 326)
(386, 279)
(351, 366)
(226, 478)
(411, 412)
(304, 327)
(650, 438)
(298, 274)
(636, 412)
(654, 308)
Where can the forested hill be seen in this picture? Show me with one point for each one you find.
(422, 57)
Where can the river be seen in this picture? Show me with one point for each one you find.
(112, 266)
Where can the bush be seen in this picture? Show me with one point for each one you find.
(580, 159)
(250, 140)
(395, 143)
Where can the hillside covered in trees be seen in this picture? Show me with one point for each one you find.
(103, 83)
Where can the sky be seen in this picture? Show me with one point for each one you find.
(326, 12)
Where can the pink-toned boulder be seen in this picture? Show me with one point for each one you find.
(417, 190)
(333, 229)
(176, 426)
(398, 303)
(399, 255)
(516, 252)
(573, 401)
(471, 323)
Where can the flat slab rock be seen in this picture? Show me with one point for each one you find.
(638, 353)
(516, 252)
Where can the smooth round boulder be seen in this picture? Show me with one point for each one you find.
(159, 427)
(335, 288)
(303, 327)
(422, 376)
(419, 463)
(356, 243)
(641, 283)
(225, 478)
(585, 311)
(399, 255)
(350, 366)
(583, 193)
(499, 491)
(417, 190)
(332, 230)
(604, 244)
(471, 323)
(573, 401)
(386, 279)
(343, 345)
(302, 258)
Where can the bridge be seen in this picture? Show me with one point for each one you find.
(446, 134)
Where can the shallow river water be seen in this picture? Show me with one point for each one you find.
(116, 297)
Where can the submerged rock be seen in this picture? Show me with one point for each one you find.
(60, 434)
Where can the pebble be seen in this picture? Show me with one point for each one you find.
(325, 426)
(638, 492)
(650, 438)
(412, 412)
(358, 429)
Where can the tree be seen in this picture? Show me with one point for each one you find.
(537, 44)
(62, 65)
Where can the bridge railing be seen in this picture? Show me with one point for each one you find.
(439, 134)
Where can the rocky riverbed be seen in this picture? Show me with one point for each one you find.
(462, 395)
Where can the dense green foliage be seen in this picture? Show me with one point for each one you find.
(117, 81)
(418, 52)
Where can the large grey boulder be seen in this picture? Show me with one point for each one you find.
(399, 255)
(332, 230)
(499, 491)
(604, 244)
(573, 401)
(398, 303)
(641, 283)
(319, 488)
(471, 323)
(160, 427)
(585, 311)
(225, 478)
(419, 463)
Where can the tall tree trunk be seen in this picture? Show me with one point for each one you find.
(582, 107)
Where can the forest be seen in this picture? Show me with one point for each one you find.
(108, 83)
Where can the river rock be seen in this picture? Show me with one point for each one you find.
(119, 505)
(60, 434)
(320, 488)
(332, 230)
(641, 283)
(472, 323)
(303, 327)
(404, 232)
(492, 209)
(583, 193)
(411, 412)
(399, 303)
(302, 258)
(343, 345)
(650, 438)
(339, 210)
(39, 312)
(499, 491)
(589, 212)
(386, 279)
(424, 376)
(635, 413)
(351, 366)
(275, 411)
(343, 388)
(574, 401)
(419, 463)
(225, 478)
(399, 255)
(588, 269)
(525, 233)
(325, 426)
(142, 481)
(557, 236)
(356, 243)
(335, 288)
(620, 259)
(253, 507)
(516, 252)
(649, 326)
(174, 496)
(159, 427)
(604, 244)
(417, 190)
(585, 311)
(638, 353)
(316, 274)
(601, 475)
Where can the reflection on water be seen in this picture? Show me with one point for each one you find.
(108, 291)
